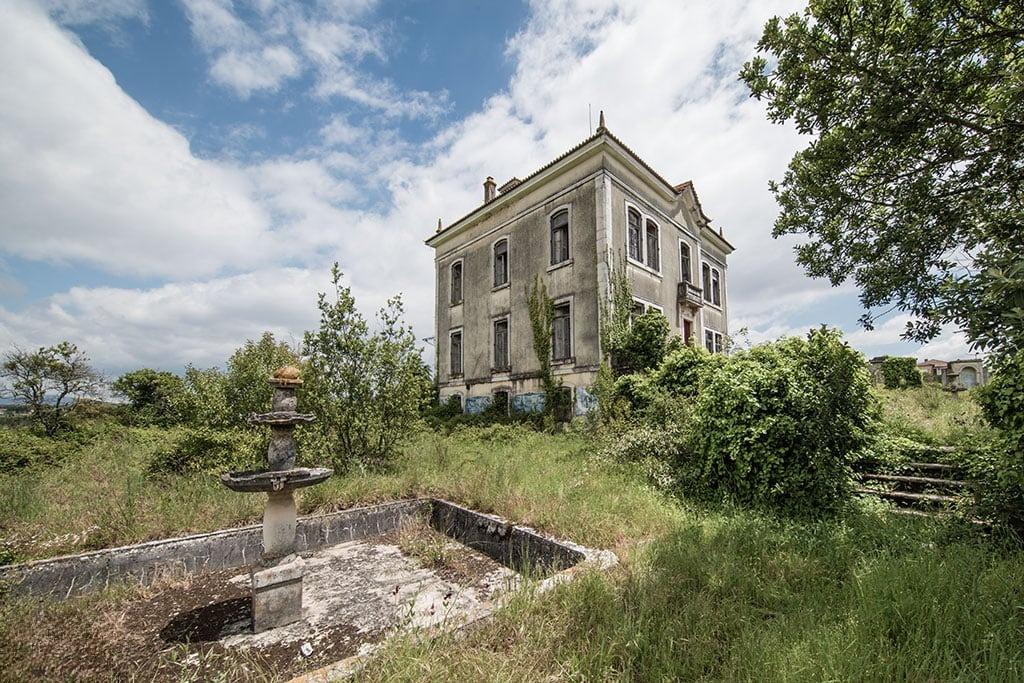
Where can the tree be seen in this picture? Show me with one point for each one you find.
(247, 390)
(364, 387)
(151, 394)
(912, 183)
(900, 373)
(50, 380)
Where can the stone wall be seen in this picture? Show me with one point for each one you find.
(72, 574)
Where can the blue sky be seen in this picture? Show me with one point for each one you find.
(177, 176)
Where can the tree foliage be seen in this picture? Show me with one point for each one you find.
(911, 186)
(900, 373)
(151, 395)
(366, 388)
(50, 380)
(778, 425)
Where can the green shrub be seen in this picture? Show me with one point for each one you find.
(365, 387)
(778, 425)
(151, 396)
(645, 343)
(681, 370)
(635, 389)
(214, 451)
(996, 467)
(653, 452)
(900, 373)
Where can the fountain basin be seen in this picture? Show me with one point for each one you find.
(272, 481)
(280, 418)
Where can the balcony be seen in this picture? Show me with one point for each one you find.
(690, 294)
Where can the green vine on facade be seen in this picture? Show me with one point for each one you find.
(616, 311)
(542, 315)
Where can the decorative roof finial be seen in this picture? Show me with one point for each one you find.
(600, 123)
(440, 227)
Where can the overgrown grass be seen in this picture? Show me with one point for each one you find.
(701, 593)
(105, 496)
(733, 595)
(931, 415)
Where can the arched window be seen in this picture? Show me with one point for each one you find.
(456, 281)
(653, 246)
(705, 272)
(634, 243)
(684, 262)
(500, 262)
(716, 287)
(560, 237)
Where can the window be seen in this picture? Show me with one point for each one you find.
(500, 263)
(687, 331)
(641, 307)
(456, 353)
(713, 341)
(635, 246)
(501, 344)
(653, 246)
(705, 272)
(638, 310)
(716, 290)
(561, 333)
(456, 282)
(684, 262)
(560, 237)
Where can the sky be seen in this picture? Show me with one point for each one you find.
(177, 176)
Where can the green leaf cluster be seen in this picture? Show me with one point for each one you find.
(776, 426)
(900, 373)
(911, 184)
(365, 387)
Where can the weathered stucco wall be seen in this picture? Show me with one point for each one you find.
(529, 256)
(597, 188)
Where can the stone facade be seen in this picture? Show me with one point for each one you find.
(598, 186)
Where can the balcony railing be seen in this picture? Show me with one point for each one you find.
(689, 293)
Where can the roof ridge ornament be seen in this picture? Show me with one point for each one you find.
(601, 128)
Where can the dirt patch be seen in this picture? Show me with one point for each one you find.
(167, 632)
(449, 559)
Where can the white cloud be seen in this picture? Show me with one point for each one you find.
(133, 198)
(261, 69)
(88, 176)
(286, 38)
(104, 12)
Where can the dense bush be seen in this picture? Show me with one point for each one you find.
(680, 372)
(645, 343)
(151, 396)
(900, 373)
(653, 451)
(212, 450)
(366, 388)
(996, 467)
(778, 425)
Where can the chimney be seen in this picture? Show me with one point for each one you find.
(489, 189)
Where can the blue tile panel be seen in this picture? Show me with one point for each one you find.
(477, 404)
(528, 403)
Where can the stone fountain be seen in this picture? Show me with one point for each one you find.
(277, 577)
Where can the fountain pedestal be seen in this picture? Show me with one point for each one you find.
(277, 578)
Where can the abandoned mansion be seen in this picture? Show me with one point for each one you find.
(570, 222)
